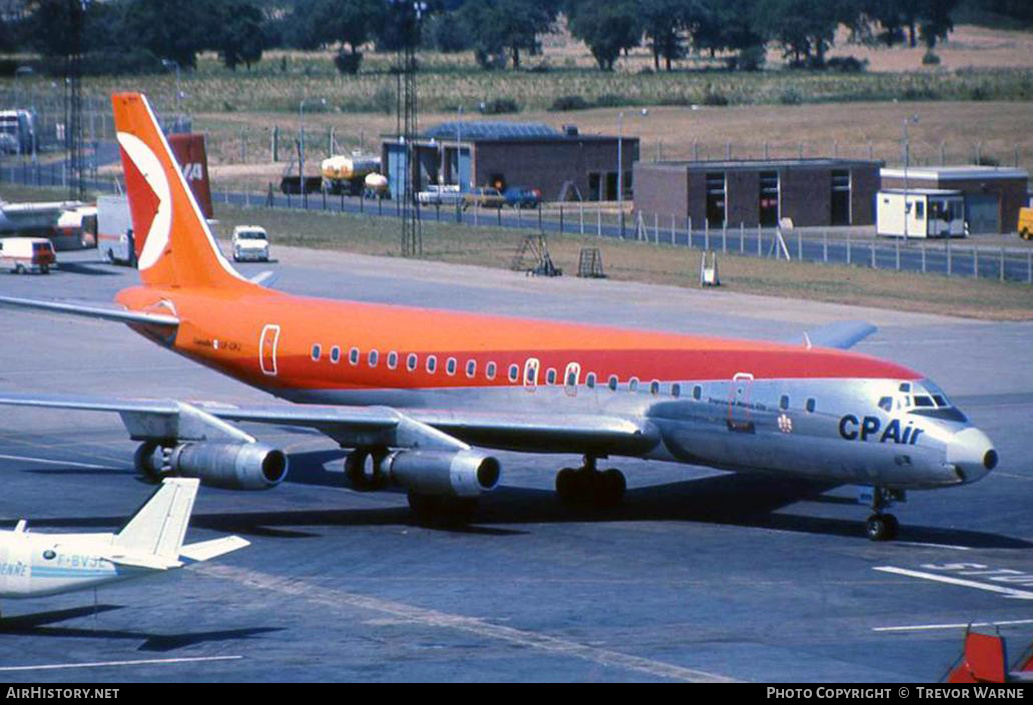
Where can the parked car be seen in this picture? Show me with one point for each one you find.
(250, 243)
(485, 196)
(522, 197)
(8, 143)
(25, 254)
(447, 194)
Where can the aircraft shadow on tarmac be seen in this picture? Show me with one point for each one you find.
(38, 625)
(87, 268)
(745, 500)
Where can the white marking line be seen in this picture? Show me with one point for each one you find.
(933, 545)
(927, 627)
(55, 462)
(336, 598)
(1010, 592)
(106, 664)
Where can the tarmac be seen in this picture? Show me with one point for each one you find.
(699, 576)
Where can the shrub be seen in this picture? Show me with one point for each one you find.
(500, 106)
(846, 64)
(348, 61)
(930, 59)
(611, 100)
(569, 102)
(979, 93)
(715, 98)
(790, 96)
(748, 59)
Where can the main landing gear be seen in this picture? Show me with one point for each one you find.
(588, 486)
(362, 469)
(880, 525)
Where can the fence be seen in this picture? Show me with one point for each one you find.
(844, 246)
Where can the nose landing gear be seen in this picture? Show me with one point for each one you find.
(882, 526)
(588, 486)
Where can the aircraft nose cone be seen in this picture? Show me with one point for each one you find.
(972, 454)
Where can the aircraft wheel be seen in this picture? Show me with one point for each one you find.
(19, 269)
(439, 511)
(881, 527)
(567, 485)
(612, 486)
(362, 469)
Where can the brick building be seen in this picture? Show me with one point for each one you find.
(811, 192)
(993, 195)
(563, 165)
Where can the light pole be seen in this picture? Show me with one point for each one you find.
(620, 165)
(911, 120)
(459, 148)
(169, 64)
(301, 146)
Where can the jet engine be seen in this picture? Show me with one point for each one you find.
(234, 466)
(465, 473)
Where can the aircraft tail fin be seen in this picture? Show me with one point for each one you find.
(159, 526)
(178, 247)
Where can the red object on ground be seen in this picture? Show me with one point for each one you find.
(984, 661)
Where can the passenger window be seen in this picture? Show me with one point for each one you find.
(450, 366)
(675, 390)
(471, 368)
(353, 356)
(411, 362)
(392, 360)
(373, 358)
(335, 354)
(317, 351)
(550, 376)
(590, 380)
(514, 373)
(432, 364)
(654, 387)
(612, 383)
(886, 404)
(783, 402)
(489, 370)
(811, 405)
(633, 384)
(697, 392)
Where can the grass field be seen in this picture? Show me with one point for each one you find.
(629, 261)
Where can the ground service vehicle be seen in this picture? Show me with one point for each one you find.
(1026, 223)
(27, 254)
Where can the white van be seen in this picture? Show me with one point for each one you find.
(25, 254)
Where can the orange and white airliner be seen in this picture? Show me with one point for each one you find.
(418, 394)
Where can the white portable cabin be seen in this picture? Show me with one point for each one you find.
(927, 213)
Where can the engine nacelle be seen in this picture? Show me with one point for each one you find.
(234, 466)
(465, 473)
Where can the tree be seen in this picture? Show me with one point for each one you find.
(508, 25)
(340, 23)
(664, 24)
(175, 31)
(804, 28)
(936, 21)
(607, 29)
(241, 38)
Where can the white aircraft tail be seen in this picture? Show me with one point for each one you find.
(158, 528)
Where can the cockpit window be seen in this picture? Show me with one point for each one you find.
(940, 401)
(922, 400)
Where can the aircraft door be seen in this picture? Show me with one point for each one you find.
(740, 418)
(267, 349)
(15, 562)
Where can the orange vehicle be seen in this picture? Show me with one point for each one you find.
(1026, 223)
(424, 397)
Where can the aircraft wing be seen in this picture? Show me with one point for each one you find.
(374, 425)
(843, 335)
(103, 313)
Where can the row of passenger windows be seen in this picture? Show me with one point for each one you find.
(513, 373)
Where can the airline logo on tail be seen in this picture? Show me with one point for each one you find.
(179, 249)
